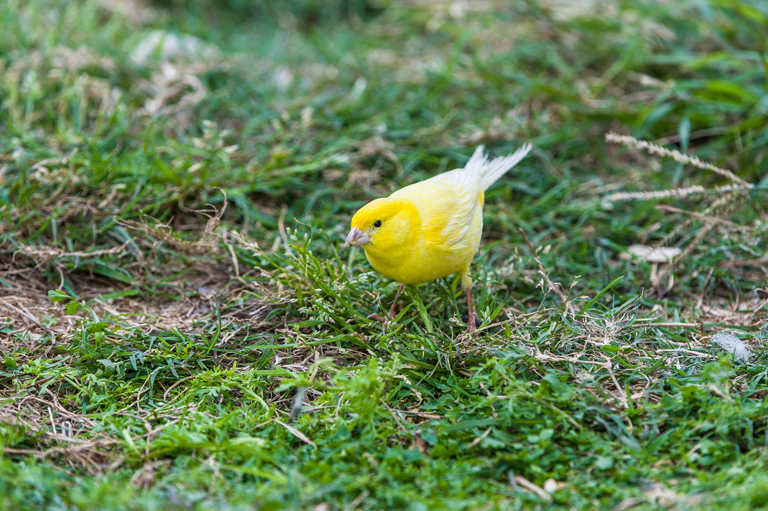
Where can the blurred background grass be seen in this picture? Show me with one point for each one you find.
(181, 173)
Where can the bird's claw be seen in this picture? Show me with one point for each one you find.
(384, 321)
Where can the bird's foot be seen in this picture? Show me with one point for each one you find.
(471, 323)
(384, 321)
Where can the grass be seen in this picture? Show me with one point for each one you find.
(181, 328)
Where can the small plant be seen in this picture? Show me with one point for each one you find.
(91, 325)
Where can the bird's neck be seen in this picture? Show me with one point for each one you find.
(385, 261)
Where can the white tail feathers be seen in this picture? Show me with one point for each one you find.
(491, 171)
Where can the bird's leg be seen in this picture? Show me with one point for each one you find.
(472, 319)
(394, 302)
(375, 316)
(466, 284)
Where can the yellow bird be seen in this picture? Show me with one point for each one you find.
(430, 229)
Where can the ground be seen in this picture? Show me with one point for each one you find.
(182, 329)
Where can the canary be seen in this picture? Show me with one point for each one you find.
(430, 229)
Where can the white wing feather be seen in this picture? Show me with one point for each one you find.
(491, 171)
(476, 176)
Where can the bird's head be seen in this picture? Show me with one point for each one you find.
(382, 224)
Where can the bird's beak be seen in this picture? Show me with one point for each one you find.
(356, 238)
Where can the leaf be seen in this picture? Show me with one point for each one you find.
(470, 424)
(173, 367)
(249, 441)
(117, 274)
(684, 130)
(96, 327)
(556, 386)
(10, 363)
(298, 434)
(596, 298)
(604, 462)
(731, 91)
(57, 296)
(71, 307)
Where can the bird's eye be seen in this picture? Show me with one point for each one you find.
(377, 223)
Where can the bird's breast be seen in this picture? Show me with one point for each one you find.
(421, 262)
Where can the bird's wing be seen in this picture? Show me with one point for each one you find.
(491, 170)
(451, 203)
(448, 204)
